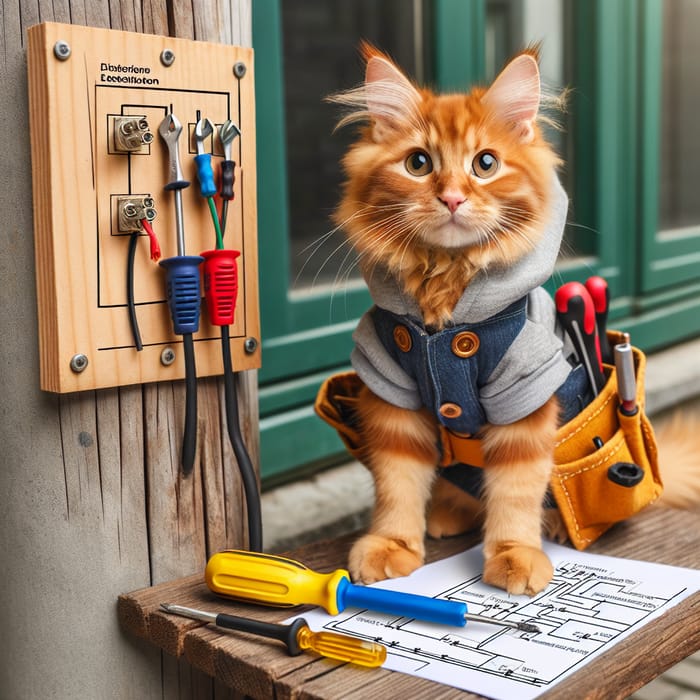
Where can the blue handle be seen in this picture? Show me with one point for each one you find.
(205, 175)
(444, 612)
(182, 289)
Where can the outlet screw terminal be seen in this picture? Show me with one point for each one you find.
(132, 210)
(131, 133)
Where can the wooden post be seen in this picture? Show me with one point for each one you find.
(91, 500)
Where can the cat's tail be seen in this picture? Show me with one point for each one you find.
(678, 440)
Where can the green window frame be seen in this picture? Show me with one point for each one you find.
(617, 100)
(654, 283)
(671, 260)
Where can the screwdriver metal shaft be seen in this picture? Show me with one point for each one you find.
(521, 626)
(170, 130)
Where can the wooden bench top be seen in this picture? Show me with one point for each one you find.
(261, 668)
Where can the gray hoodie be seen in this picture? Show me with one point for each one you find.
(529, 371)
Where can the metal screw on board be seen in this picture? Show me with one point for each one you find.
(239, 69)
(167, 357)
(78, 363)
(250, 345)
(61, 50)
(167, 57)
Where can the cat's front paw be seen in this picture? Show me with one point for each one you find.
(517, 568)
(375, 558)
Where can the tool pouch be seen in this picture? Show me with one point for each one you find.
(596, 487)
(593, 486)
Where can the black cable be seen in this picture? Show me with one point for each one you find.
(245, 466)
(189, 437)
(130, 302)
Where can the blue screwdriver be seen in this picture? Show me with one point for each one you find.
(272, 580)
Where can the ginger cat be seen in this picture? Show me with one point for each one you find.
(453, 204)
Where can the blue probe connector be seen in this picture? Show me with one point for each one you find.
(183, 292)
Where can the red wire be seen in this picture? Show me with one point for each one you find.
(155, 247)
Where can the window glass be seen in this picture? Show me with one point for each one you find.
(679, 156)
(321, 57)
(512, 25)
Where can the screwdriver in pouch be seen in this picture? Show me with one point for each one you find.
(600, 294)
(576, 314)
(297, 636)
(282, 582)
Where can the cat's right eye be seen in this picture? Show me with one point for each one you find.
(419, 163)
(485, 165)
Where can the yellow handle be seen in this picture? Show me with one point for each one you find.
(342, 647)
(271, 580)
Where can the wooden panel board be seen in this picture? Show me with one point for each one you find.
(79, 176)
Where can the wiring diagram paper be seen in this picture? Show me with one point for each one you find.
(592, 603)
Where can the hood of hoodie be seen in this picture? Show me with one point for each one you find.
(490, 291)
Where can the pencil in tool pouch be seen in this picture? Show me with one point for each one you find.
(282, 582)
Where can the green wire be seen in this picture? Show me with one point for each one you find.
(215, 219)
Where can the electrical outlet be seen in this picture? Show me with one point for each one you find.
(132, 210)
(131, 133)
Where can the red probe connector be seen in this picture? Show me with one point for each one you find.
(221, 285)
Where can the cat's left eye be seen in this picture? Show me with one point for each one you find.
(419, 164)
(485, 164)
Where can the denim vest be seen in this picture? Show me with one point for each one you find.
(450, 367)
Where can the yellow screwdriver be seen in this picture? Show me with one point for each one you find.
(273, 580)
(297, 636)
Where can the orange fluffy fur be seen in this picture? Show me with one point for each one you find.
(391, 218)
(434, 227)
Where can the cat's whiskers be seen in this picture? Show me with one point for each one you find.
(521, 235)
(391, 223)
(319, 242)
(387, 223)
(407, 245)
(388, 230)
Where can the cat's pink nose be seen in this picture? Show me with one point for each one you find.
(452, 199)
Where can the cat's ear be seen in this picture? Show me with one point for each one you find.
(515, 94)
(392, 100)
